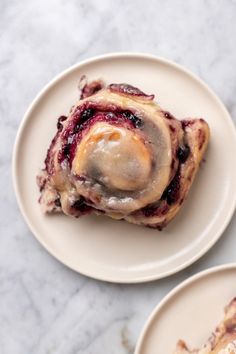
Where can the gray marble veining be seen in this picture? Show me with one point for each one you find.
(45, 307)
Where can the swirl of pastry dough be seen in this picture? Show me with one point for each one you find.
(120, 154)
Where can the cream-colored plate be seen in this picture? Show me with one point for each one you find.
(190, 312)
(114, 250)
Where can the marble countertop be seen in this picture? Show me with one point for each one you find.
(45, 307)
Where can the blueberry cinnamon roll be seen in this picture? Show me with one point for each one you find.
(223, 339)
(120, 154)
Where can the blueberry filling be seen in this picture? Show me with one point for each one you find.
(57, 202)
(171, 193)
(155, 210)
(81, 206)
(90, 88)
(231, 329)
(66, 150)
(187, 123)
(168, 115)
(149, 211)
(137, 122)
(85, 116)
(183, 153)
(60, 119)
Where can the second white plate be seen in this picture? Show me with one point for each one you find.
(190, 312)
(113, 250)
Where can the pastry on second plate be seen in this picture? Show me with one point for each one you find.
(223, 339)
(120, 154)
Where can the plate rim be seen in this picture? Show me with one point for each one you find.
(23, 123)
(170, 295)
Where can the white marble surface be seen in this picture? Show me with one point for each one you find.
(45, 307)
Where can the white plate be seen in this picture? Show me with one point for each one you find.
(190, 312)
(114, 250)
